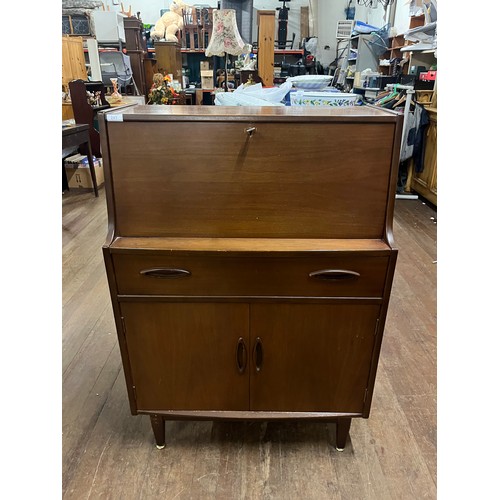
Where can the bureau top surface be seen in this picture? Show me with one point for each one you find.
(251, 113)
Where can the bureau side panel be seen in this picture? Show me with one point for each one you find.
(285, 180)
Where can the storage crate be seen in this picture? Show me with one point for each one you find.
(429, 76)
(344, 29)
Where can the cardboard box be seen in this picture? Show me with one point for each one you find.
(207, 79)
(78, 172)
(204, 65)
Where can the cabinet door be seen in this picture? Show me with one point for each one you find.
(187, 356)
(309, 357)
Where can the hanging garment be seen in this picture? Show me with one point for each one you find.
(407, 149)
(413, 135)
(419, 142)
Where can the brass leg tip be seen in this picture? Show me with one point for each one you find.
(160, 447)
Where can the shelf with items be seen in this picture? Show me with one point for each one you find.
(354, 55)
(191, 58)
(394, 57)
(416, 21)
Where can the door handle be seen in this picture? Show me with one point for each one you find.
(258, 354)
(241, 355)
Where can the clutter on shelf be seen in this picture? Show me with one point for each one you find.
(161, 91)
(170, 22)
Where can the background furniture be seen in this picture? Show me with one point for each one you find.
(355, 55)
(169, 59)
(73, 60)
(116, 64)
(205, 96)
(250, 279)
(190, 34)
(85, 113)
(67, 111)
(197, 29)
(73, 68)
(76, 136)
(109, 27)
(425, 182)
(137, 51)
(265, 60)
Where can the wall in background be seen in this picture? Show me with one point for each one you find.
(149, 9)
(329, 13)
(293, 17)
(323, 23)
(402, 18)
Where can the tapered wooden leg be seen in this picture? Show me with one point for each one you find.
(343, 426)
(158, 424)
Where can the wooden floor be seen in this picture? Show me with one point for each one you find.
(108, 453)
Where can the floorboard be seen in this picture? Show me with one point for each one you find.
(108, 453)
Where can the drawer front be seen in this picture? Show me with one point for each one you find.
(229, 275)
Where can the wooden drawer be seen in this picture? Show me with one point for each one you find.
(242, 275)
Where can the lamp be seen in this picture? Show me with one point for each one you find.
(226, 38)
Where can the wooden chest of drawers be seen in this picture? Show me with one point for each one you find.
(250, 258)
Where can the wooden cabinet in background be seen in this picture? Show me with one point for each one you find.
(425, 182)
(73, 68)
(169, 59)
(137, 51)
(266, 20)
(73, 60)
(250, 279)
(67, 111)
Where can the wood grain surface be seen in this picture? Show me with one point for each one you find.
(267, 275)
(243, 189)
(108, 453)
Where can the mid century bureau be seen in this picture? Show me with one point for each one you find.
(250, 258)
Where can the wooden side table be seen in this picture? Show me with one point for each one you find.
(76, 136)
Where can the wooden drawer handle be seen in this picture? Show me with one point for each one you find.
(241, 355)
(165, 273)
(258, 354)
(334, 275)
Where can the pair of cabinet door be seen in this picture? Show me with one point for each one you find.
(250, 356)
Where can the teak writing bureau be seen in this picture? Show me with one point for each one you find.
(250, 258)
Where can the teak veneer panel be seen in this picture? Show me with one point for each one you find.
(314, 357)
(202, 179)
(182, 356)
(258, 275)
(247, 245)
(350, 114)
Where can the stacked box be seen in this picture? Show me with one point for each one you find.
(78, 171)
(207, 79)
